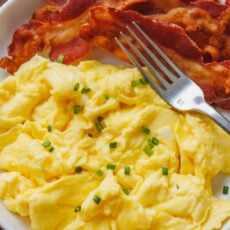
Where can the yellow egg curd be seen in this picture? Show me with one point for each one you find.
(94, 147)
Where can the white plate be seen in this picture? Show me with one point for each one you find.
(10, 19)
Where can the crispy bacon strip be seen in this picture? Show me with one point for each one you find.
(63, 11)
(148, 7)
(73, 50)
(57, 2)
(43, 33)
(214, 8)
(170, 36)
(207, 32)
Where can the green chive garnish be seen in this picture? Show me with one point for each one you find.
(148, 150)
(51, 149)
(150, 145)
(97, 199)
(152, 142)
(85, 90)
(138, 82)
(177, 186)
(225, 190)
(76, 87)
(127, 170)
(165, 171)
(155, 141)
(106, 97)
(99, 172)
(111, 166)
(76, 109)
(60, 58)
(78, 208)
(78, 169)
(46, 144)
(126, 191)
(99, 126)
(113, 145)
(145, 130)
(49, 128)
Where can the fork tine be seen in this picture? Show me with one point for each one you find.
(161, 53)
(156, 74)
(166, 71)
(143, 72)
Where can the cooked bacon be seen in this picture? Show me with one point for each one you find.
(213, 78)
(25, 44)
(214, 8)
(64, 11)
(207, 32)
(208, 89)
(223, 103)
(148, 7)
(57, 2)
(142, 6)
(73, 50)
(48, 28)
(170, 36)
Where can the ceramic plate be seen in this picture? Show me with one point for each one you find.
(10, 19)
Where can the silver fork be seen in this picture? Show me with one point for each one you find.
(180, 91)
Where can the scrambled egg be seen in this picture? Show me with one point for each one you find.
(94, 147)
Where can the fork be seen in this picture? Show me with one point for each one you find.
(179, 90)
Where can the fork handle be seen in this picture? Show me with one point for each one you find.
(216, 116)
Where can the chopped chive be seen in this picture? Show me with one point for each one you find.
(145, 130)
(51, 149)
(155, 141)
(106, 97)
(126, 191)
(177, 186)
(99, 172)
(138, 82)
(76, 109)
(225, 190)
(76, 87)
(100, 118)
(165, 171)
(148, 150)
(111, 166)
(127, 170)
(78, 169)
(60, 58)
(78, 208)
(90, 134)
(97, 199)
(46, 144)
(85, 90)
(152, 142)
(113, 145)
(49, 128)
(99, 126)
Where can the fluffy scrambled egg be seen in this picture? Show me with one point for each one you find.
(94, 147)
